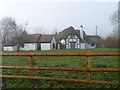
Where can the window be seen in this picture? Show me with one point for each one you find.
(72, 36)
(72, 44)
(92, 44)
(22, 45)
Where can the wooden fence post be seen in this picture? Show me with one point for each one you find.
(88, 64)
(30, 63)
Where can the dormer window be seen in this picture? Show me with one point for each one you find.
(72, 36)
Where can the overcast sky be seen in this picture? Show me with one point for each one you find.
(48, 17)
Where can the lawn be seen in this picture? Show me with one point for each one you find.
(65, 61)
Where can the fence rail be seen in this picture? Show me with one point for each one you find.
(63, 69)
(63, 54)
(87, 69)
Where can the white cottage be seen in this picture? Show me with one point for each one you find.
(70, 38)
(39, 42)
(34, 42)
(31, 43)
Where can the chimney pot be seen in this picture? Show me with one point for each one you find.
(81, 26)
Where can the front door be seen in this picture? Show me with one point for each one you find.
(72, 44)
(39, 46)
(53, 45)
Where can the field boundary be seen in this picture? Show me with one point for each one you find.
(87, 69)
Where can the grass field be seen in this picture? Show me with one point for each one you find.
(65, 61)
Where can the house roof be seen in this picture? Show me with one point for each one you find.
(71, 31)
(39, 38)
(9, 43)
(95, 39)
(33, 38)
(68, 31)
(45, 38)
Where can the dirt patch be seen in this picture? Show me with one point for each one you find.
(62, 65)
(100, 66)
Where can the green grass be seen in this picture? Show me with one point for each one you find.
(73, 61)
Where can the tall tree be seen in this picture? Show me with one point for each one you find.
(20, 38)
(115, 21)
(11, 32)
(114, 18)
(113, 39)
(7, 26)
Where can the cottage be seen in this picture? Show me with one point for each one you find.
(46, 42)
(34, 42)
(71, 38)
(95, 41)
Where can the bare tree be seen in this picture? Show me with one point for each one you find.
(113, 39)
(0, 38)
(7, 26)
(0, 31)
(116, 22)
(114, 18)
(19, 40)
(21, 35)
(11, 32)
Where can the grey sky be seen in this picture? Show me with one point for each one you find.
(51, 16)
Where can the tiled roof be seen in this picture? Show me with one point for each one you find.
(45, 38)
(8, 44)
(32, 38)
(39, 38)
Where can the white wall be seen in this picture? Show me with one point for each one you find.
(45, 46)
(48, 46)
(82, 45)
(8, 48)
(29, 46)
(33, 46)
(51, 44)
